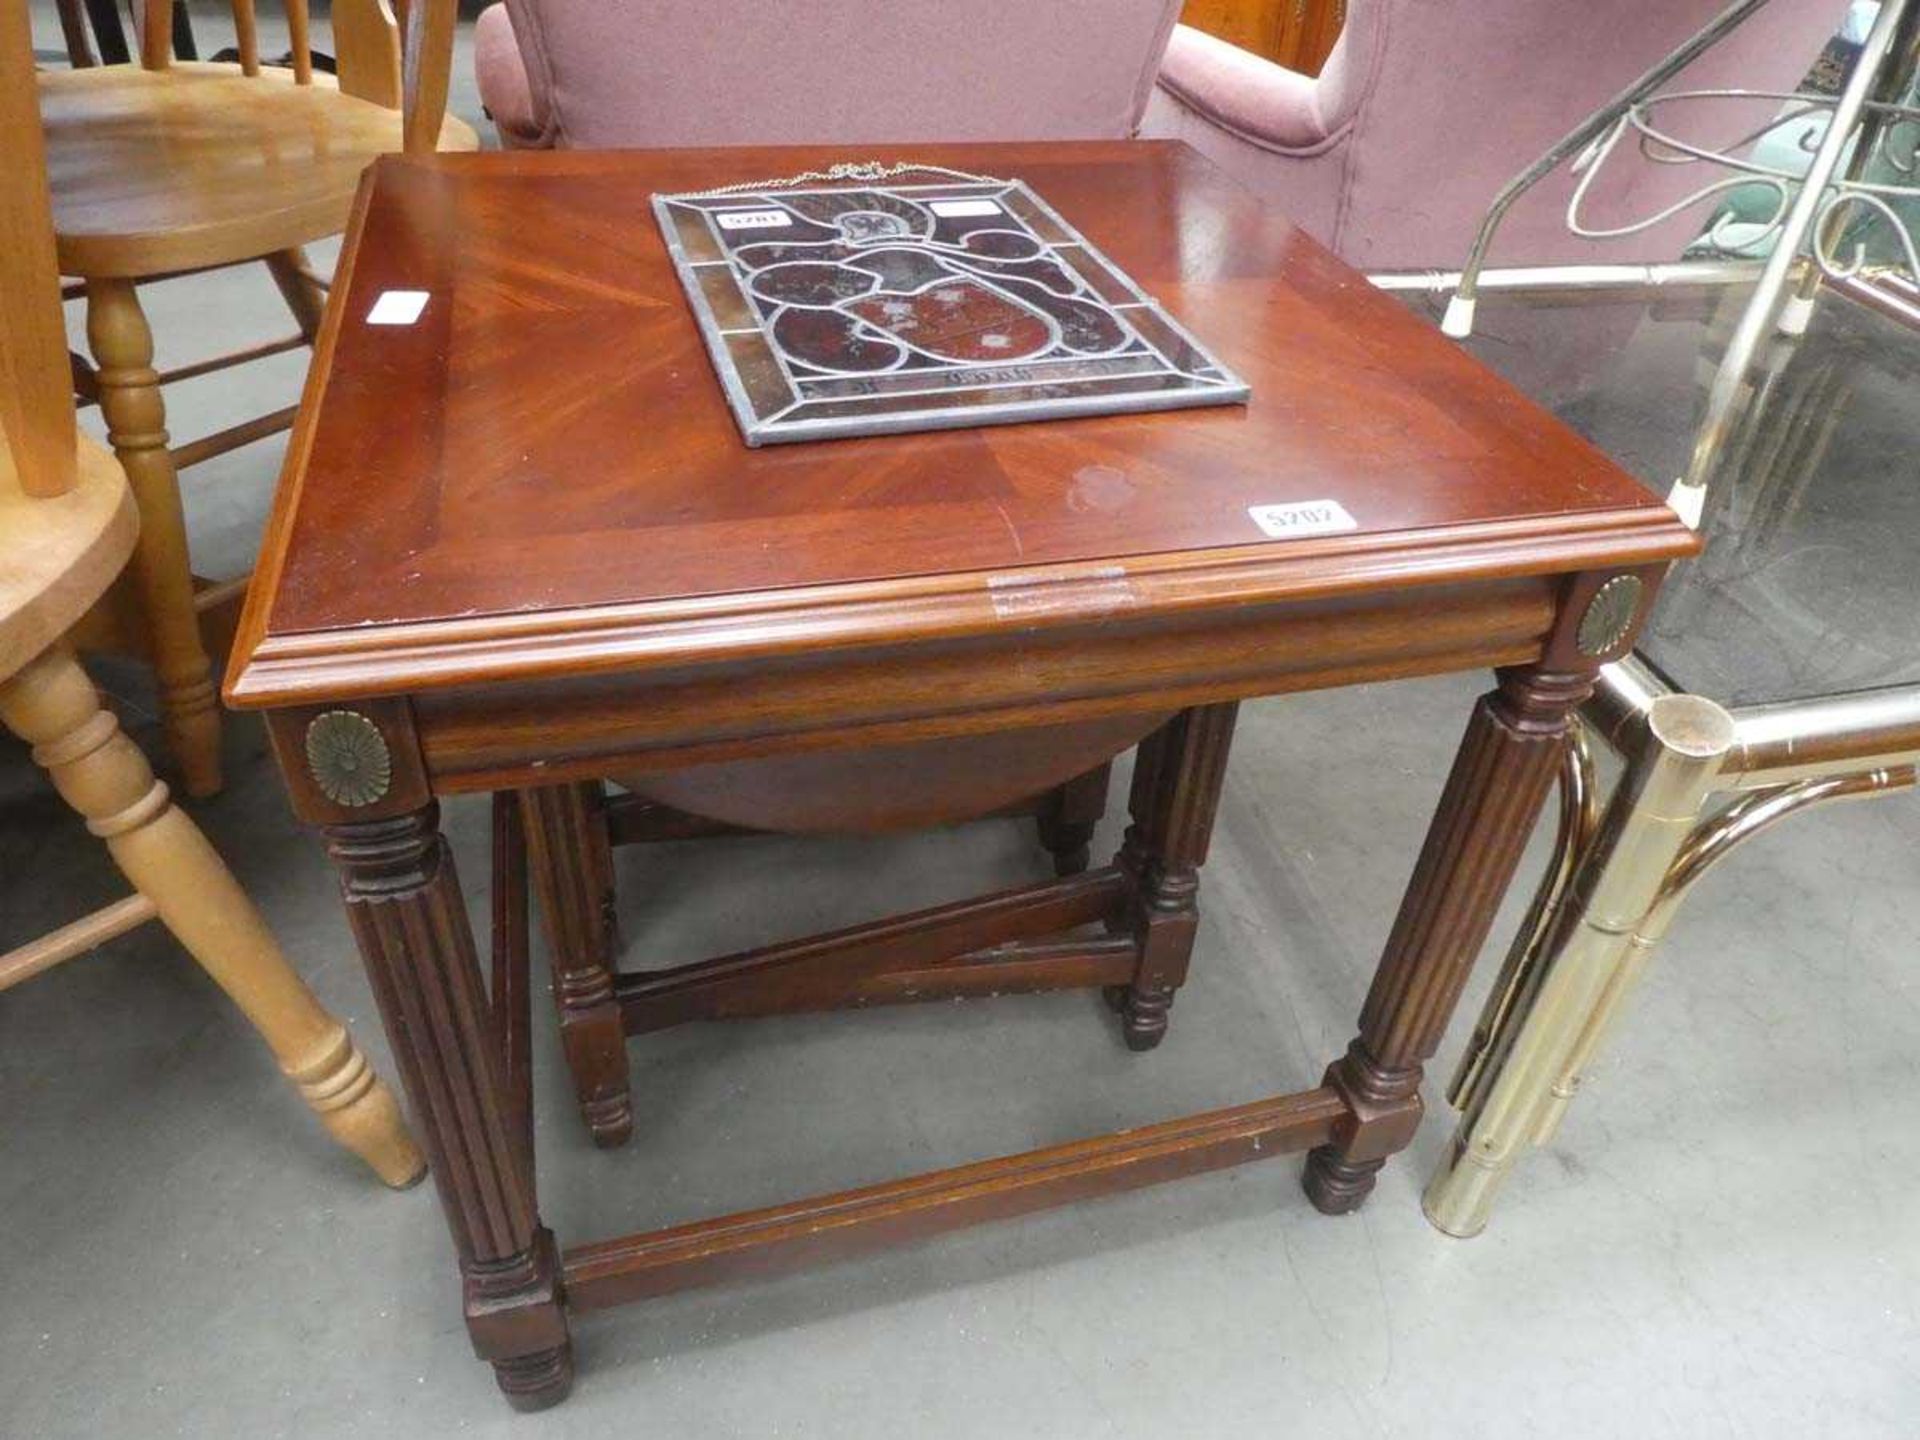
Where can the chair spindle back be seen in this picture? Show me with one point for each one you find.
(155, 21)
(364, 34)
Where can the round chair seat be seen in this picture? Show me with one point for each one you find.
(154, 171)
(59, 554)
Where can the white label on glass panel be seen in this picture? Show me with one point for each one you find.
(752, 219)
(397, 307)
(958, 209)
(1304, 517)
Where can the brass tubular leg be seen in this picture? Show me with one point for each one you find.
(1652, 813)
(1702, 850)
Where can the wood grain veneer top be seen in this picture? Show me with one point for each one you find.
(547, 449)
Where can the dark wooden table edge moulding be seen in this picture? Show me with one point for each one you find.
(398, 659)
(371, 725)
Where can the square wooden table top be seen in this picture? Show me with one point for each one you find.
(540, 475)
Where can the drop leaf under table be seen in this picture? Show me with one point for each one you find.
(519, 545)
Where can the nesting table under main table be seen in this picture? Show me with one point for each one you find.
(519, 544)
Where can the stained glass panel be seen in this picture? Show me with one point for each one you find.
(867, 309)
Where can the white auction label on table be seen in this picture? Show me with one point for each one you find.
(1303, 517)
(397, 307)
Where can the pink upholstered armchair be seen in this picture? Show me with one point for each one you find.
(1427, 107)
(590, 74)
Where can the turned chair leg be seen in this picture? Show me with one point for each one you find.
(52, 705)
(137, 429)
(305, 300)
(569, 854)
(1177, 777)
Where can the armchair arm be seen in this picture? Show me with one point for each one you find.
(1264, 104)
(505, 89)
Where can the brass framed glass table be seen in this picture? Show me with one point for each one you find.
(1779, 671)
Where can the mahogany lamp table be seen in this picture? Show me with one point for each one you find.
(519, 544)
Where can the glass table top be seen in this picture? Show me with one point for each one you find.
(1810, 577)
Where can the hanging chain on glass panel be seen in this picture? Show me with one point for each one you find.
(863, 171)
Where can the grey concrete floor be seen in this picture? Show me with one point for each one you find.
(1721, 1242)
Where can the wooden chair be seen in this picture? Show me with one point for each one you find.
(68, 525)
(160, 168)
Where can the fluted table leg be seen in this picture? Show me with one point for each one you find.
(1499, 782)
(404, 903)
(1176, 790)
(567, 851)
(1071, 815)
